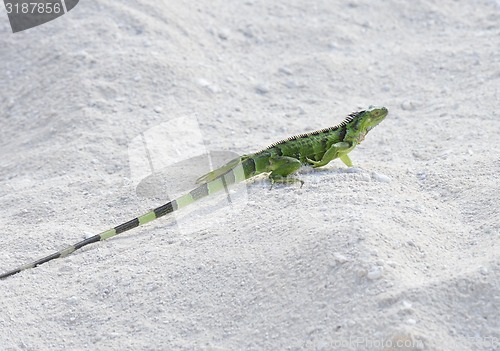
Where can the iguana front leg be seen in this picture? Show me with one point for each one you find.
(347, 161)
(332, 153)
(281, 167)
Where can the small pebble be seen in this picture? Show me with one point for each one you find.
(203, 82)
(375, 273)
(406, 304)
(382, 178)
(73, 300)
(421, 175)
(408, 106)
(340, 258)
(223, 34)
(292, 84)
(391, 264)
(262, 89)
(483, 270)
(285, 71)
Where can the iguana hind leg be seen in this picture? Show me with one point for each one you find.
(281, 167)
(330, 154)
(220, 171)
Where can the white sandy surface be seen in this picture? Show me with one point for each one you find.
(399, 253)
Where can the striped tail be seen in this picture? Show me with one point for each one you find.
(234, 175)
(145, 218)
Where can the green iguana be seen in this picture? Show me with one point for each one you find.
(279, 160)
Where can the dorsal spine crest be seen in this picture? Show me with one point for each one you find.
(346, 120)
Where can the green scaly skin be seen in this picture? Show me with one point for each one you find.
(279, 160)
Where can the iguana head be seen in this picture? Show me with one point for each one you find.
(373, 116)
(364, 121)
